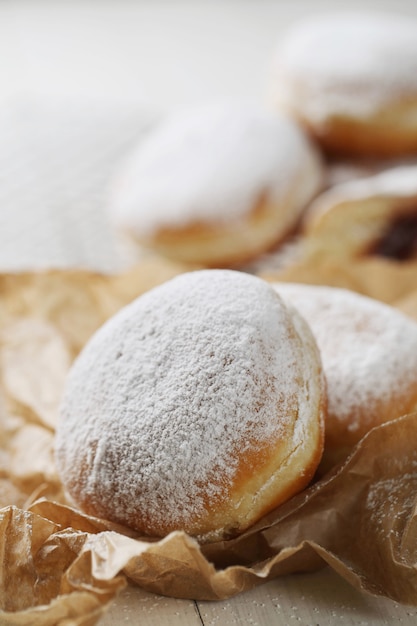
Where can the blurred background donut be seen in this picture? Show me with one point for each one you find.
(217, 185)
(351, 79)
(369, 217)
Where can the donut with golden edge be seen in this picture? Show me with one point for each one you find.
(351, 79)
(199, 407)
(369, 355)
(216, 186)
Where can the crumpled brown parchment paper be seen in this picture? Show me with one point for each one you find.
(60, 566)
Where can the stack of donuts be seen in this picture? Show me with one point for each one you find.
(217, 396)
(351, 81)
(221, 185)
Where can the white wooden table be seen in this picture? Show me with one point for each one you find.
(79, 84)
(320, 599)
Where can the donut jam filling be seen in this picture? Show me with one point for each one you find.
(400, 239)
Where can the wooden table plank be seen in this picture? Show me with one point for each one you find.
(322, 598)
(136, 606)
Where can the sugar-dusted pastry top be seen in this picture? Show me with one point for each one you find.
(212, 165)
(216, 186)
(397, 181)
(350, 62)
(197, 407)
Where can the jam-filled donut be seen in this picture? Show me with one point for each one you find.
(369, 355)
(375, 216)
(200, 406)
(216, 186)
(351, 79)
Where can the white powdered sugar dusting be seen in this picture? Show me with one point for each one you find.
(165, 392)
(350, 62)
(213, 164)
(368, 349)
(396, 182)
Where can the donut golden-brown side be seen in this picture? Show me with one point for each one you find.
(216, 186)
(350, 79)
(391, 132)
(199, 407)
(369, 355)
(227, 244)
(371, 217)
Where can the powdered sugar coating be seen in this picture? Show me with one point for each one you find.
(353, 63)
(211, 165)
(395, 183)
(368, 349)
(165, 393)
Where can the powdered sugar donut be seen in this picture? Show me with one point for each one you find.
(197, 407)
(351, 78)
(369, 354)
(374, 216)
(216, 186)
